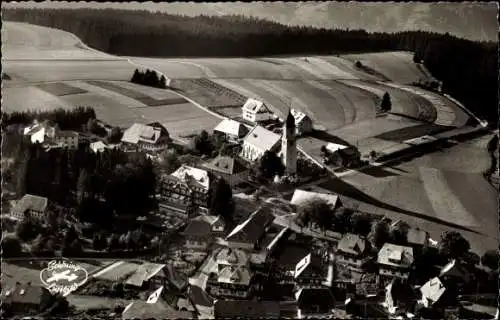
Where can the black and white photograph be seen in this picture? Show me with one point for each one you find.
(223, 160)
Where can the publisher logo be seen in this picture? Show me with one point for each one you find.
(63, 277)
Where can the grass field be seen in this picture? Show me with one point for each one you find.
(60, 89)
(31, 98)
(118, 271)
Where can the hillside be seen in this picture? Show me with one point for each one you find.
(468, 69)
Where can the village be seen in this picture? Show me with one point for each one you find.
(234, 226)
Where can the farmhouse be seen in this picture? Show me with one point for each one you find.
(302, 196)
(256, 111)
(149, 137)
(352, 251)
(395, 261)
(185, 191)
(232, 170)
(258, 141)
(250, 233)
(342, 156)
(148, 275)
(51, 135)
(30, 205)
(201, 231)
(317, 303)
(232, 130)
(25, 298)
(303, 124)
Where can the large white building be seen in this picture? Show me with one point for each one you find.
(256, 111)
(303, 124)
(149, 137)
(258, 141)
(232, 130)
(50, 135)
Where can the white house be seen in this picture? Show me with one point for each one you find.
(395, 261)
(48, 134)
(258, 141)
(231, 129)
(303, 124)
(31, 205)
(255, 111)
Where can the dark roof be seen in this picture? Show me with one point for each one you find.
(199, 297)
(176, 278)
(67, 134)
(308, 297)
(352, 244)
(253, 228)
(159, 310)
(290, 120)
(247, 309)
(225, 164)
(197, 228)
(24, 294)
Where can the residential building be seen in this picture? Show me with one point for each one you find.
(310, 271)
(249, 234)
(176, 281)
(303, 124)
(257, 142)
(154, 308)
(232, 130)
(204, 304)
(67, 139)
(342, 156)
(99, 146)
(148, 137)
(202, 230)
(256, 111)
(317, 303)
(186, 191)
(352, 251)
(230, 256)
(302, 196)
(25, 299)
(289, 146)
(232, 170)
(30, 205)
(435, 295)
(246, 309)
(395, 261)
(148, 275)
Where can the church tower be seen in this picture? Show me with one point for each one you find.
(289, 146)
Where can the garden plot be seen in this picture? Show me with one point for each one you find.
(61, 70)
(31, 98)
(60, 89)
(137, 95)
(397, 66)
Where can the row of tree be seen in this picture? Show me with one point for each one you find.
(72, 119)
(149, 78)
(468, 69)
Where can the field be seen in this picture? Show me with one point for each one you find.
(60, 89)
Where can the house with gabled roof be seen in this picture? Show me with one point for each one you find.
(232, 130)
(248, 234)
(395, 261)
(25, 299)
(231, 169)
(148, 275)
(30, 206)
(202, 230)
(303, 123)
(302, 196)
(258, 141)
(256, 111)
(185, 191)
(434, 294)
(352, 251)
(232, 256)
(310, 271)
(148, 137)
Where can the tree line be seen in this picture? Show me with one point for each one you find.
(149, 78)
(468, 69)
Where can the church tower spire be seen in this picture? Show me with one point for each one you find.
(289, 145)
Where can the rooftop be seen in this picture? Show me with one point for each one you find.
(231, 127)
(198, 227)
(159, 310)
(192, 176)
(231, 256)
(226, 165)
(298, 115)
(252, 228)
(31, 202)
(141, 132)
(352, 244)
(199, 297)
(432, 291)
(145, 272)
(417, 236)
(310, 263)
(395, 255)
(24, 294)
(261, 138)
(255, 106)
(302, 196)
(309, 297)
(234, 274)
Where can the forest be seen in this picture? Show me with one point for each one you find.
(468, 70)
